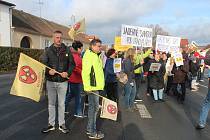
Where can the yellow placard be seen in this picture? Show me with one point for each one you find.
(118, 46)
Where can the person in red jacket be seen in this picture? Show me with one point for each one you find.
(75, 80)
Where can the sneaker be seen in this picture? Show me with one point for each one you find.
(201, 80)
(79, 116)
(66, 112)
(63, 129)
(96, 136)
(48, 129)
(87, 132)
(138, 100)
(199, 127)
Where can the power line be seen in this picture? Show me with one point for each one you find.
(40, 7)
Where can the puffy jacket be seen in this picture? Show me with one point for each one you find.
(180, 74)
(194, 68)
(60, 59)
(76, 76)
(157, 77)
(92, 71)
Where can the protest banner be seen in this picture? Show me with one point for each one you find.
(117, 65)
(136, 36)
(167, 43)
(118, 46)
(155, 67)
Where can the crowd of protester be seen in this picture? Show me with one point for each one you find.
(89, 75)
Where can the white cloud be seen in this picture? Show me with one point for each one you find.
(195, 29)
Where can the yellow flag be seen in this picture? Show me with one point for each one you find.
(29, 78)
(118, 46)
(77, 28)
(109, 109)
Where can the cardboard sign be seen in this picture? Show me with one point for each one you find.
(178, 59)
(155, 67)
(117, 65)
(136, 36)
(167, 43)
(118, 46)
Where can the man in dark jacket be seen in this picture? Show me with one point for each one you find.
(60, 60)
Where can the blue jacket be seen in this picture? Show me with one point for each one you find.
(110, 76)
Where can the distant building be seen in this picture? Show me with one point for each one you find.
(30, 31)
(5, 23)
(184, 42)
(21, 29)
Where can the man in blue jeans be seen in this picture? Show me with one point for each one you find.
(205, 107)
(93, 81)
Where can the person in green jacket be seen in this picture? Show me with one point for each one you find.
(93, 81)
(139, 57)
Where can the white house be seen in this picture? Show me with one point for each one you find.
(5, 23)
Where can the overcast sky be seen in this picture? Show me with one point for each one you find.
(185, 18)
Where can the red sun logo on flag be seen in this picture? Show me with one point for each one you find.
(76, 26)
(112, 109)
(27, 75)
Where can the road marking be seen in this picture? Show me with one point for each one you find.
(8, 132)
(9, 115)
(144, 113)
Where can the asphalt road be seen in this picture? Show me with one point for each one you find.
(22, 118)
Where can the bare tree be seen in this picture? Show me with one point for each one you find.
(157, 30)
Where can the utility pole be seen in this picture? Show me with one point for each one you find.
(40, 7)
(72, 19)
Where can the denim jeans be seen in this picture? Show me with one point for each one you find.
(93, 108)
(55, 89)
(74, 90)
(193, 84)
(158, 94)
(204, 110)
(130, 94)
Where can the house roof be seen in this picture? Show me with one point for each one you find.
(6, 3)
(25, 22)
(184, 42)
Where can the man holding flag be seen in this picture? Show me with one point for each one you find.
(93, 81)
(59, 58)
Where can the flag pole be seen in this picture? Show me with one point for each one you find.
(97, 94)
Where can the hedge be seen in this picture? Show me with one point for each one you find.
(9, 57)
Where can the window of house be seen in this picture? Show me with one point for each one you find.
(47, 43)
